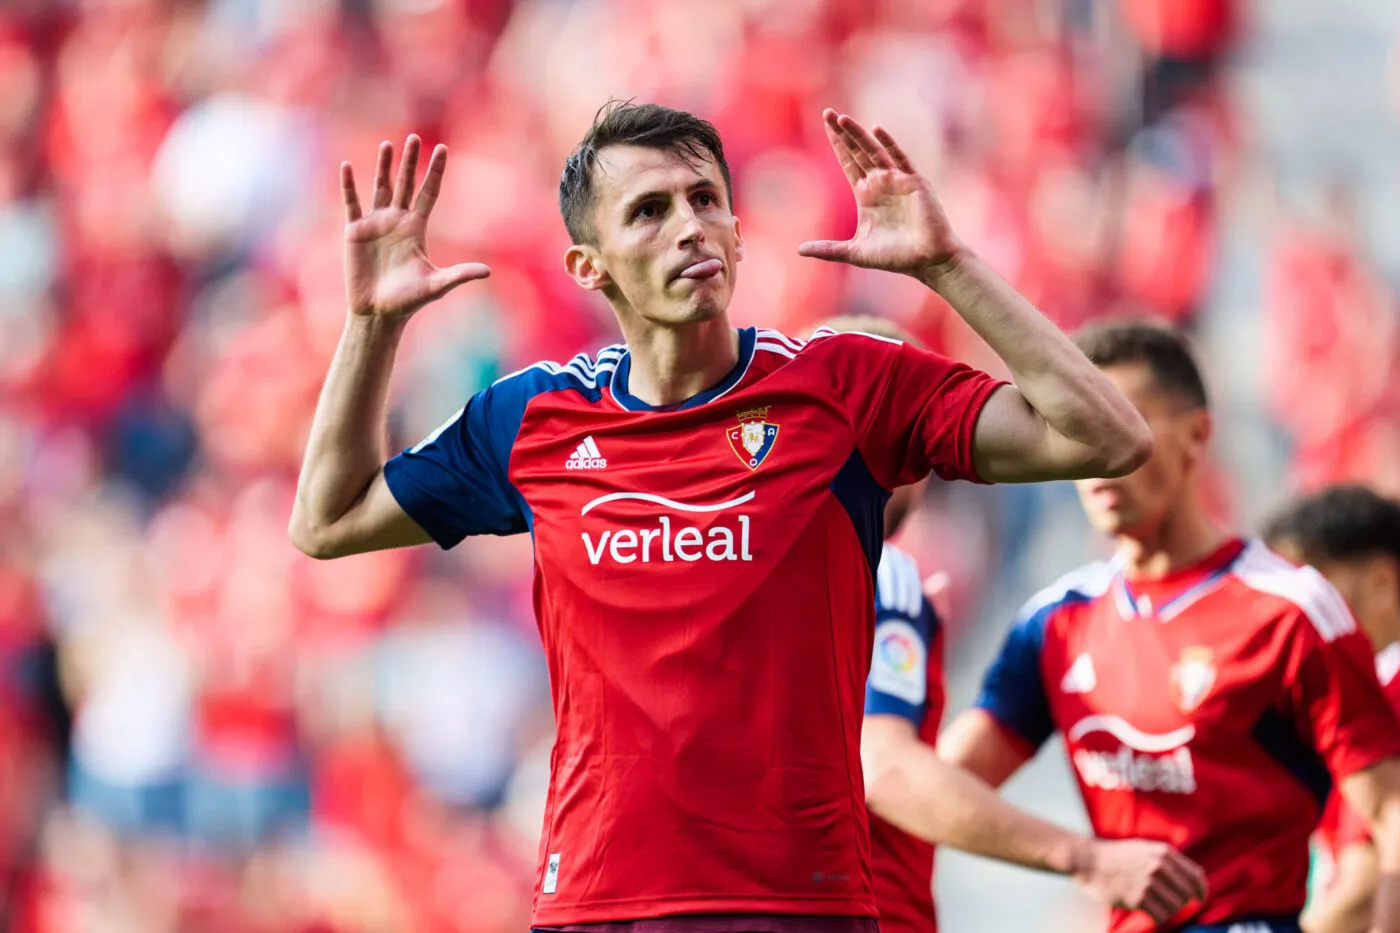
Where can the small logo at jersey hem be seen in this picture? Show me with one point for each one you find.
(586, 456)
(753, 439)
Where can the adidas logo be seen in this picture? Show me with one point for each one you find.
(587, 457)
(1080, 677)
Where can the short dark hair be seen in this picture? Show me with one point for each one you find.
(1158, 346)
(1343, 522)
(624, 123)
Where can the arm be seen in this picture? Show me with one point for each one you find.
(343, 505)
(912, 787)
(1063, 419)
(1346, 905)
(1375, 793)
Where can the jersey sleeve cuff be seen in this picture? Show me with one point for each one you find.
(967, 431)
(1028, 744)
(419, 505)
(878, 703)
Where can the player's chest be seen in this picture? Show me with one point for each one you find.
(647, 487)
(1153, 685)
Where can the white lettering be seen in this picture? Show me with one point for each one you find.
(744, 537)
(596, 554)
(627, 538)
(586, 463)
(648, 535)
(1125, 770)
(688, 536)
(665, 538)
(721, 535)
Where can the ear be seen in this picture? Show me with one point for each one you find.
(1383, 578)
(586, 267)
(738, 242)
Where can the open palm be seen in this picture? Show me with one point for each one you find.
(900, 226)
(387, 270)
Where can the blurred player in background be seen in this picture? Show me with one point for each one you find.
(916, 799)
(684, 490)
(1352, 535)
(1208, 691)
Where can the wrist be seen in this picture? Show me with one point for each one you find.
(939, 269)
(375, 326)
(1075, 857)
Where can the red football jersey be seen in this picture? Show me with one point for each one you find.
(703, 588)
(1341, 825)
(1210, 710)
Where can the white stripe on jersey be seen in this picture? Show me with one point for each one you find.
(1262, 570)
(897, 584)
(773, 336)
(592, 446)
(828, 332)
(775, 348)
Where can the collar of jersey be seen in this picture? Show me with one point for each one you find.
(1227, 555)
(747, 338)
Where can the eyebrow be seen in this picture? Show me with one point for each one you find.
(635, 201)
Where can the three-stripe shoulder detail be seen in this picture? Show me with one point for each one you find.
(897, 584)
(1264, 571)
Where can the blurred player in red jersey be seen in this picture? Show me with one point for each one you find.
(705, 505)
(904, 701)
(1352, 535)
(1208, 691)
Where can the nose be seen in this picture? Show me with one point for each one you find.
(692, 232)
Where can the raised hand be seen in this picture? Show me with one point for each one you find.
(900, 226)
(387, 270)
(1139, 875)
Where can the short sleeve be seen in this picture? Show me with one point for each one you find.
(1332, 691)
(1013, 690)
(913, 411)
(455, 483)
(906, 669)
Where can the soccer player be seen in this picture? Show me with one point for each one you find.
(1352, 535)
(705, 505)
(931, 801)
(1208, 691)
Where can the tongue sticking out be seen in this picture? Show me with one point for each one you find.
(702, 270)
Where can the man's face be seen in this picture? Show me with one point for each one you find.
(1137, 505)
(667, 239)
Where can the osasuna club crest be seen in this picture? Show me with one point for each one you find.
(753, 438)
(1192, 677)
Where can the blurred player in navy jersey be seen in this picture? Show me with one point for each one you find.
(1208, 691)
(931, 801)
(1352, 535)
(706, 508)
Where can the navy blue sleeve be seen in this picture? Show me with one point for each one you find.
(455, 482)
(1013, 690)
(899, 669)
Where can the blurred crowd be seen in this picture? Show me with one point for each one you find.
(203, 730)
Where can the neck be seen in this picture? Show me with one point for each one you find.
(1186, 537)
(671, 364)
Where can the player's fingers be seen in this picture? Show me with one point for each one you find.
(854, 173)
(347, 192)
(1157, 906)
(1189, 875)
(442, 281)
(408, 170)
(383, 194)
(1173, 887)
(432, 181)
(901, 161)
(868, 153)
(829, 250)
